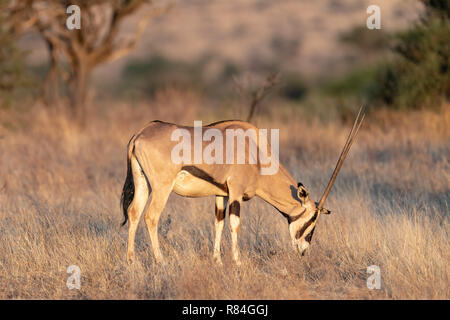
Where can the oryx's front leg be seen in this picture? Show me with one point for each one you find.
(221, 206)
(235, 192)
(235, 212)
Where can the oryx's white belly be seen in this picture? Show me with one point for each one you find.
(188, 185)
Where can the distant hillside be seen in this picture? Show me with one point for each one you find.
(302, 35)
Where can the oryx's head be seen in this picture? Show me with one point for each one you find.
(302, 220)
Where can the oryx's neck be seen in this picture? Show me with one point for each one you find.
(279, 190)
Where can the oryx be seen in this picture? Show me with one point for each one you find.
(151, 169)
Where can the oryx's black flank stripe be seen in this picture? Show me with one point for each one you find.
(199, 173)
(305, 226)
(235, 208)
(222, 121)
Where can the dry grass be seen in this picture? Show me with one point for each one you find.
(59, 205)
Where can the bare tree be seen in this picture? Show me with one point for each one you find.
(75, 53)
(258, 95)
(16, 16)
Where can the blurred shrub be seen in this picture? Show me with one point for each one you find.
(293, 87)
(365, 40)
(438, 8)
(210, 75)
(420, 76)
(151, 74)
(13, 74)
(358, 83)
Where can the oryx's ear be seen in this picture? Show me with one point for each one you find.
(302, 193)
(325, 211)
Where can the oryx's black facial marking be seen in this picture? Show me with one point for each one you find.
(309, 236)
(201, 174)
(235, 208)
(305, 226)
(294, 218)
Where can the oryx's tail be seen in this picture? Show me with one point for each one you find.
(128, 186)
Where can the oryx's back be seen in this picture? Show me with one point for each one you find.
(198, 158)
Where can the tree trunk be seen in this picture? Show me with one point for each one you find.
(78, 91)
(51, 85)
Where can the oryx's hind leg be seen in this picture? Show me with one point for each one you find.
(160, 195)
(221, 206)
(141, 193)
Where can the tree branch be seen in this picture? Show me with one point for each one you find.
(271, 81)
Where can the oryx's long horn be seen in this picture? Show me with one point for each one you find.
(356, 125)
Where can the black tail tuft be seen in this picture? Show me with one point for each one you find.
(127, 192)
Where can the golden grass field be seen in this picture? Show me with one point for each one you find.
(59, 205)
